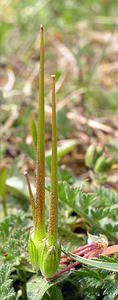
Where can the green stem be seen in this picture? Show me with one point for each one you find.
(40, 178)
(53, 219)
(30, 195)
(4, 206)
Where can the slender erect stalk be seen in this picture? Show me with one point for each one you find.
(32, 201)
(44, 250)
(39, 231)
(53, 219)
(4, 206)
(3, 177)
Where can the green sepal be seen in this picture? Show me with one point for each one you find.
(43, 256)
(33, 251)
(50, 261)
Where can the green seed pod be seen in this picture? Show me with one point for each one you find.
(49, 260)
(92, 155)
(44, 252)
(103, 164)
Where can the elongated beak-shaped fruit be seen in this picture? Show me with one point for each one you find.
(44, 250)
(39, 230)
(51, 251)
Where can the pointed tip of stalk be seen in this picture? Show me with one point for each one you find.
(53, 76)
(41, 27)
(25, 173)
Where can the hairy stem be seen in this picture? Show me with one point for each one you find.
(53, 219)
(68, 268)
(40, 177)
(82, 252)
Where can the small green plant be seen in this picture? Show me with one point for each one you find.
(44, 250)
(92, 154)
(97, 160)
(3, 176)
(103, 164)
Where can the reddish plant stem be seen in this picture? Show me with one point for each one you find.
(80, 248)
(93, 253)
(90, 254)
(82, 252)
(59, 273)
